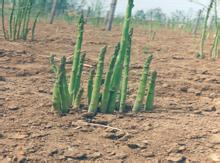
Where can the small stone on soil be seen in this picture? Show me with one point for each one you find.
(176, 158)
(204, 72)
(215, 157)
(2, 78)
(1, 135)
(215, 139)
(94, 155)
(210, 109)
(1, 103)
(22, 73)
(125, 138)
(143, 145)
(121, 156)
(148, 154)
(2, 89)
(88, 115)
(184, 89)
(101, 122)
(217, 103)
(114, 136)
(18, 136)
(42, 90)
(165, 85)
(212, 95)
(13, 107)
(198, 93)
(21, 160)
(133, 145)
(53, 152)
(198, 112)
(87, 129)
(75, 156)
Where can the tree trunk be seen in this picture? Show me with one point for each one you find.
(111, 15)
(107, 18)
(204, 33)
(211, 22)
(197, 22)
(53, 11)
(88, 12)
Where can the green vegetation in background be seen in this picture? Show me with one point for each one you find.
(18, 16)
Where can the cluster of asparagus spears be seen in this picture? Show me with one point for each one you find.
(64, 95)
(109, 96)
(19, 20)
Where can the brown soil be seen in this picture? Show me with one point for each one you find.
(184, 126)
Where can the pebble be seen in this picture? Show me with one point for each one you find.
(209, 109)
(213, 80)
(1, 103)
(20, 160)
(204, 72)
(101, 122)
(165, 85)
(198, 112)
(148, 154)
(205, 88)
(144, 144)
(191, 90)
(177, 148)
(3, 89)
(176, 158)
(133, 145)
(94, 155)
(1, 135)
(212, 95)
(86, 129)
(215, 157)
(53, 152)
(13, 107)
(215, 139)
(120, 156)
(177, 58)
(2, 78)
(42, 90)
(75, 156)
(126, 137)
(184, 89)
(22, 73)
(198, 93)
(18, 136)
(216, 103)
(215, 131)
(114, 136)
(38, 135)
(30, 149)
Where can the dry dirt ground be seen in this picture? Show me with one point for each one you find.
(185, 126)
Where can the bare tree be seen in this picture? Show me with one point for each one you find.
(107, 18)
(53, 11)
(197, 22)
(88, 12)
(111, 15)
